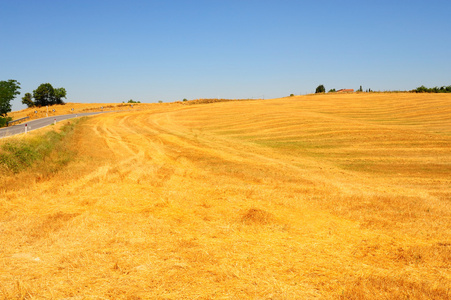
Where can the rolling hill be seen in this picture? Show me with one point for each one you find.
(319, 196)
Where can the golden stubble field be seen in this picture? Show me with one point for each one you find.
(320, 196)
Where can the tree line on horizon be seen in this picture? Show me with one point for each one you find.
(422, 89)
(442, 89)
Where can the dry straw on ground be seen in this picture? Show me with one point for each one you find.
(332, 196)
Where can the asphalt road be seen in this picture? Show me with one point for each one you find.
(39, 123)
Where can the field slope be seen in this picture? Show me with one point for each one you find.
(330, 196)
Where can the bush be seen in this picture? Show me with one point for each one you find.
(4, 121)
(132, 101)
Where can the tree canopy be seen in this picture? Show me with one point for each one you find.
(45, 94)
(59, 94)
(320, 89)
(27, 100)
(423, 89)
(8, 91)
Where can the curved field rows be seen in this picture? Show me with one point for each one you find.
(344, 196)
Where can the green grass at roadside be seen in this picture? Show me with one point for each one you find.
(48, 151)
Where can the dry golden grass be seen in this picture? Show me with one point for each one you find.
(74, 108)
(322, 196)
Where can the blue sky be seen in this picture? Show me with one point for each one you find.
(113, 51)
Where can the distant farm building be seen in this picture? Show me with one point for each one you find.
(345, 91)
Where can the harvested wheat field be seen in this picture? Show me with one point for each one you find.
(320, 196)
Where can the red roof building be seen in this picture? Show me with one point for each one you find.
(345, 91)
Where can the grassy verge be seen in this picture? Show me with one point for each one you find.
(47, 151)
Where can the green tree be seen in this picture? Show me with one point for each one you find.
(8, 91)
(27, 100)
(45, 94)
(421, 89)
(320, 89)
(332, 91)
(59, 94)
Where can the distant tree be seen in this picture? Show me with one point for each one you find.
(132, 101)
(59, 94)
(332, 91)
(8, 91)
(422, 89)
(184, 99)
(27, 100)
(360, 89)
(291, 95)
(320, 89)
(45, 94)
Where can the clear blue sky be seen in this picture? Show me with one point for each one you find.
(113, 51)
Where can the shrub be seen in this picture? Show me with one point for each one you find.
(4, 121)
